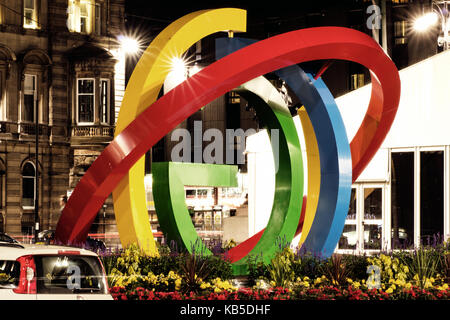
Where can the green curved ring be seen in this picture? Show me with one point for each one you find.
(169, 180)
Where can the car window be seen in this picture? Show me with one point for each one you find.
(9, 274)
(68, 274)
(6, 238)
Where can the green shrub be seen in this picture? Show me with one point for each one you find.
(194, 269)
(219, 267)
(423, 264)
(357, 266)
(160, 265)
(280, 269)
(336, 270)
(256, 269)
(307, 265)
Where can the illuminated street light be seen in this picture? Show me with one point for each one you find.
(426, 21)
(178, 66)
(429, 19)
(180, 69)
(129, 45)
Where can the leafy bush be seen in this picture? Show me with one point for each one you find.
(356, 265)
(194, 269)
(219, 267)
(256, 269)
(162, 264)
(280, 269)
(423, 266)
(307, 265)
(335, 269)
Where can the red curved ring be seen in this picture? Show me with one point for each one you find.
(215, 80)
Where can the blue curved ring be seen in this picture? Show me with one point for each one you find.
(334, 151)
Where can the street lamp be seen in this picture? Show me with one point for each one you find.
(129, 45)
(429, 19)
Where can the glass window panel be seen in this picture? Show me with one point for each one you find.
(402, 199)
(28, 180)
(28, 170)
(352, 209)
(356, 81)
(86, 108)
(431, 196)
(349, 237)
(29, 83)
(83, 25)
(9, 274)
(372, 236)
(86, 86)
(373, 203)
(54, 272)
(28, 103)
(98, 20)
(104, 101)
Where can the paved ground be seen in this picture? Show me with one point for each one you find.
(236, 227)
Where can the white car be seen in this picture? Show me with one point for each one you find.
(41, 272)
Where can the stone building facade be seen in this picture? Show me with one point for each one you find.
(62, 58)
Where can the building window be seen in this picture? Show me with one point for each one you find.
(363, 229)
(400, 32)
(28, 185)
(98, 19)
(402, 199)
(104, 100)
(356, 81)
(83, 16)
(85, 100)
(431, 197)
(30, 14)
(349, 237)
(29, 98)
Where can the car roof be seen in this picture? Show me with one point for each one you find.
(14, 250)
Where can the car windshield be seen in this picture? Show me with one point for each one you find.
(67, 274)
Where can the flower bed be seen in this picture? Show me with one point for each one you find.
(323, 293)
(422, 274)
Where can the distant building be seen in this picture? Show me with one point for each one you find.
(388, 22)
(60, 57)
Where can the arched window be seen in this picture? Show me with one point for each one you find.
(28, 185)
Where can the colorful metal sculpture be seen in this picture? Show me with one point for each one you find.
(331, 171)
(257, 59)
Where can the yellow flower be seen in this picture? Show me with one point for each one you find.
(389, 290)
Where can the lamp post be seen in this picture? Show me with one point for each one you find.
(439, 11)
(36, 182)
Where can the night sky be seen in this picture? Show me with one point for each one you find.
(263, 18)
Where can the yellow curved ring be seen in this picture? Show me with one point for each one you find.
(313, 165)
(144, 85)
